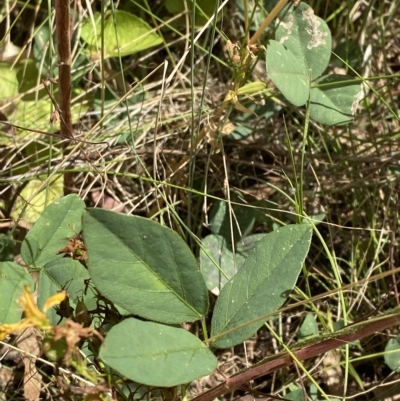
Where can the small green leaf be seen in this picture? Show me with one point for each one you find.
(36, 205)
(392, 354)
(313, 392)
(60, 221)
(155, 354)
(44, 50)
(296, 395)
(32, 114)
(243, 219)
(308, 328)
(288, 72)
(144, 267)
(350, 52)
(335, 99)
(124, 34)
(13, 278)
(9, 81)
(262, 284)
(68, 274)
(47, 287)
(216, 247)
(307, 36)
(28, 79)
(36, 114)
(245, 123)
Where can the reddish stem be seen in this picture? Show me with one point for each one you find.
(64, 78)
(283, 360)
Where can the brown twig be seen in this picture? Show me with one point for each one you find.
(64, 80)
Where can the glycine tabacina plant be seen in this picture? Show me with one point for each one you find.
(143, 277)
(138, 281)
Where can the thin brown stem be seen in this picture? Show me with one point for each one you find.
(64, 79)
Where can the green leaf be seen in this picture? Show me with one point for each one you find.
(261, 286)
(36, 205)
(44, 50)
(60, 221)
(288, 72)
(68, 274)
(124, 34)
(335, 99)
(296, 395)
(155, 354)
(308, 328)
(313, 392)
(13, 278)
(245, 123)
(350, 52)
(71, 275)
(36, 114)
(243, 219)
(9, 81)
(32, 114)
(217, 247)
(47, 287)
(28, 79)
(392, 354)
(307, 36)
(144, 267)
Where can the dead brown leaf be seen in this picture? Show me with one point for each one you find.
(333, 373)
(6, 380)
(28, 342)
